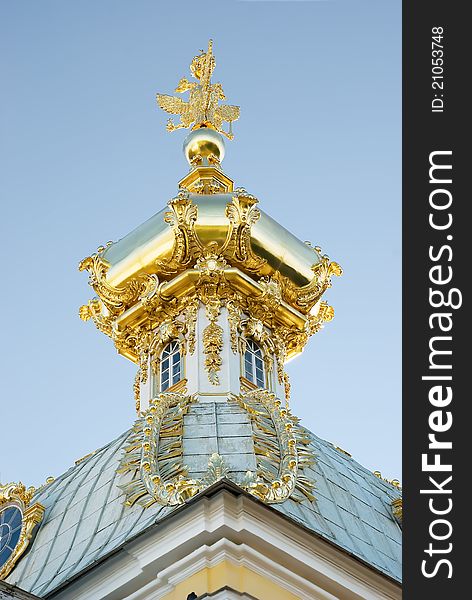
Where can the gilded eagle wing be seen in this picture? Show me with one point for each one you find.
(171, 104)
(228, 112)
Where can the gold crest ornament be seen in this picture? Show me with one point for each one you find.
(18, 518)
(202, 108)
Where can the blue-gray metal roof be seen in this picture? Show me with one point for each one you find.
(85, 517)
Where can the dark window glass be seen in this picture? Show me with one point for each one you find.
(10, 531)
(170, 365)
(254, 364)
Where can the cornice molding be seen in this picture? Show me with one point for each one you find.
(225, 512)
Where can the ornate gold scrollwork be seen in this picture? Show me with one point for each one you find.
(268, 302)
(116, 299)
(17, 495)
(305, 297)
(93, 310)
(242, 213)
(282, 450)
(154, 454)
(181, 217)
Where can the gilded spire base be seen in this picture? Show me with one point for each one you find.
(207, 180)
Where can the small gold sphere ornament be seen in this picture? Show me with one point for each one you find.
(204, 146)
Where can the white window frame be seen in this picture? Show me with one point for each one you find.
(172, 372)
(254, 367)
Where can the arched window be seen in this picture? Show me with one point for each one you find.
(171, 365)
(253, 364)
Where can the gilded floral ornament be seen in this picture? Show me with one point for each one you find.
(211, 281)
(190, 313)
(217, 470)
(287, 387)
(93, 310)
(234, 319)
(212, 346)
(210, 265)
(17, 497)
(137, 390)
(260, 307)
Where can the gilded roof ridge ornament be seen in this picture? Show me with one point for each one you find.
(202, 108)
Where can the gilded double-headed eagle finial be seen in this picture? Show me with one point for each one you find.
(202, 108)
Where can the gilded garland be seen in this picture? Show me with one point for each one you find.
(155, 450)
(282, 450)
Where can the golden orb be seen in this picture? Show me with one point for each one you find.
(205, 143)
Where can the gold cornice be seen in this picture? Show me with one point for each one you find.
(213, 283)
(185, 284)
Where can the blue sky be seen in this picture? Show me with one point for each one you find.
(85, 158)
